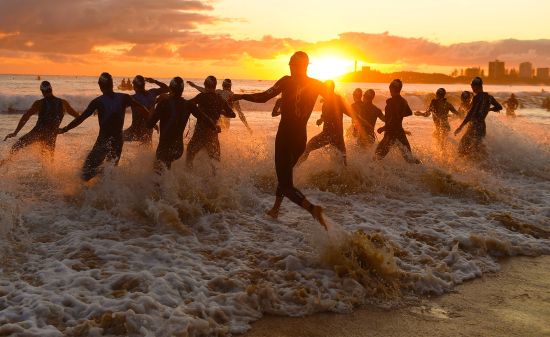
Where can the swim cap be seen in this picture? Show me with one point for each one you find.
(45, 86)
(370, 93)
(441, 92)
(210, 82)
(105, 78)
(139, 81)
(477, 81)
(226, 82)
(465, 95)
(396, 84)
(176, 84)
(299, 58)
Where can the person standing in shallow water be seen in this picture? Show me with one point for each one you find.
(138, 130)
(397, 108)
(511, 105)
(332, 116)
(50, 110)
(111, 108)
(439, 109)
(299, 94)
(471, 144)
(366, 121)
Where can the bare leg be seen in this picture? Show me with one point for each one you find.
(274, 211)
(316, 211)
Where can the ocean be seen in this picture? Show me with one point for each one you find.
(198, 257)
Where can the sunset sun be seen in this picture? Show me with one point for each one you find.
(329, 67)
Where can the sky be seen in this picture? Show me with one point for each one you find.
(254, 38)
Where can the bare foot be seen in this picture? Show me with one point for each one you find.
(274, 213)
(317, 213)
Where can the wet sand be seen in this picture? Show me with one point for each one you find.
(513, 302)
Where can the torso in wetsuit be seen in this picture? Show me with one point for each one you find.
(111, 109)
(372, 112)
(50, 115)
(212, 105)
(397, 108)
(146, 98)
(440, 109)
(481, 105)
(332, 116)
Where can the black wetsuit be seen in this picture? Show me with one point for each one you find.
(365, 124)
(111, 111)
(138, 130)
(440, 108)
(51, 111)
(206, 135)
(397, 108)
(332, 115)
(297, 102)
(472, 141)
(173, 113)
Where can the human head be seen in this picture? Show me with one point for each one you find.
(395, 87)
(105, 82)
(357, 94)
(466, 96)
(513, 96)
(176, 86)
(210, 83)
(477, 85)
(46, 88)
(226, 84)
(298, 63)
(138, 83)
(440, 93)
(368, 96)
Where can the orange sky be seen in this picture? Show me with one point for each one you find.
(253, 39)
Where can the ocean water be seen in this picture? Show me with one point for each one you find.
(198, 257)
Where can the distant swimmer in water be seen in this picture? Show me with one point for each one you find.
(111, 109)
(138, 130)
(366, 121)
(227, 94)
(51, 111)
(299, 94)
(397, 108)
(511, 104)
(173, 112)
(465, 103)
(211, 106)
(471, 143)
(439, 109)
(332, 116)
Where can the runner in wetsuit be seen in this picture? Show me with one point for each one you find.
(138, 130)
(465, 104)
(511, 105)
(332, 115)
(397, 108)
(471, 143)
(227, 95)
(51, 111)
(357, 109)
(111, 109)
(173, 113)
(439, 109)
(299, 94)
(211, 106)
(366, 121)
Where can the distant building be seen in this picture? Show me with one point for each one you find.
(543, 74)
(472, 72)
(526, 70)
(365, 69)
(497, 69)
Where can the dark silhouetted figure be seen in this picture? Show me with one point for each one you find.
(367, 120)
(471, 143)
(439, 109)
(51, 111)
(299, 94)
(465, 103)
(397, 108)
(211, 107)
(511, 104)
(332, 115)
(138, 130)
(111, 108)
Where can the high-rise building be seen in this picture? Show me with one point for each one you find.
(496, 69)
(543, 74)
(526, 70)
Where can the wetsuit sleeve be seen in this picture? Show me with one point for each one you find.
(156, 92)
(155, 117)
(226, 108)
(69, 109)
(380, 114)
(406, 109)
(496, 105)
(265, 96)
(452, 109)
(35, 108)
(92, 107)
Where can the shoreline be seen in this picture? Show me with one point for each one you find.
(512, 302)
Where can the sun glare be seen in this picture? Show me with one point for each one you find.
(329, 67)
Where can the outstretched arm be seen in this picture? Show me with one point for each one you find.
(452, 109)
(199, 88)
(262, 97)
(24, 119)
(242, 117)
(69, 109)
(227, 111)
(92, 107)
(496, 105)
(162, 86)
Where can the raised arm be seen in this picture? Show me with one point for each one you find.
(227, 111)
(35, 108)
(162, 86)
(69, 109)
(92, 107)
(199, 88)
(262, 97)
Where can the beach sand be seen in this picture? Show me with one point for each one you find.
(512, 302)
